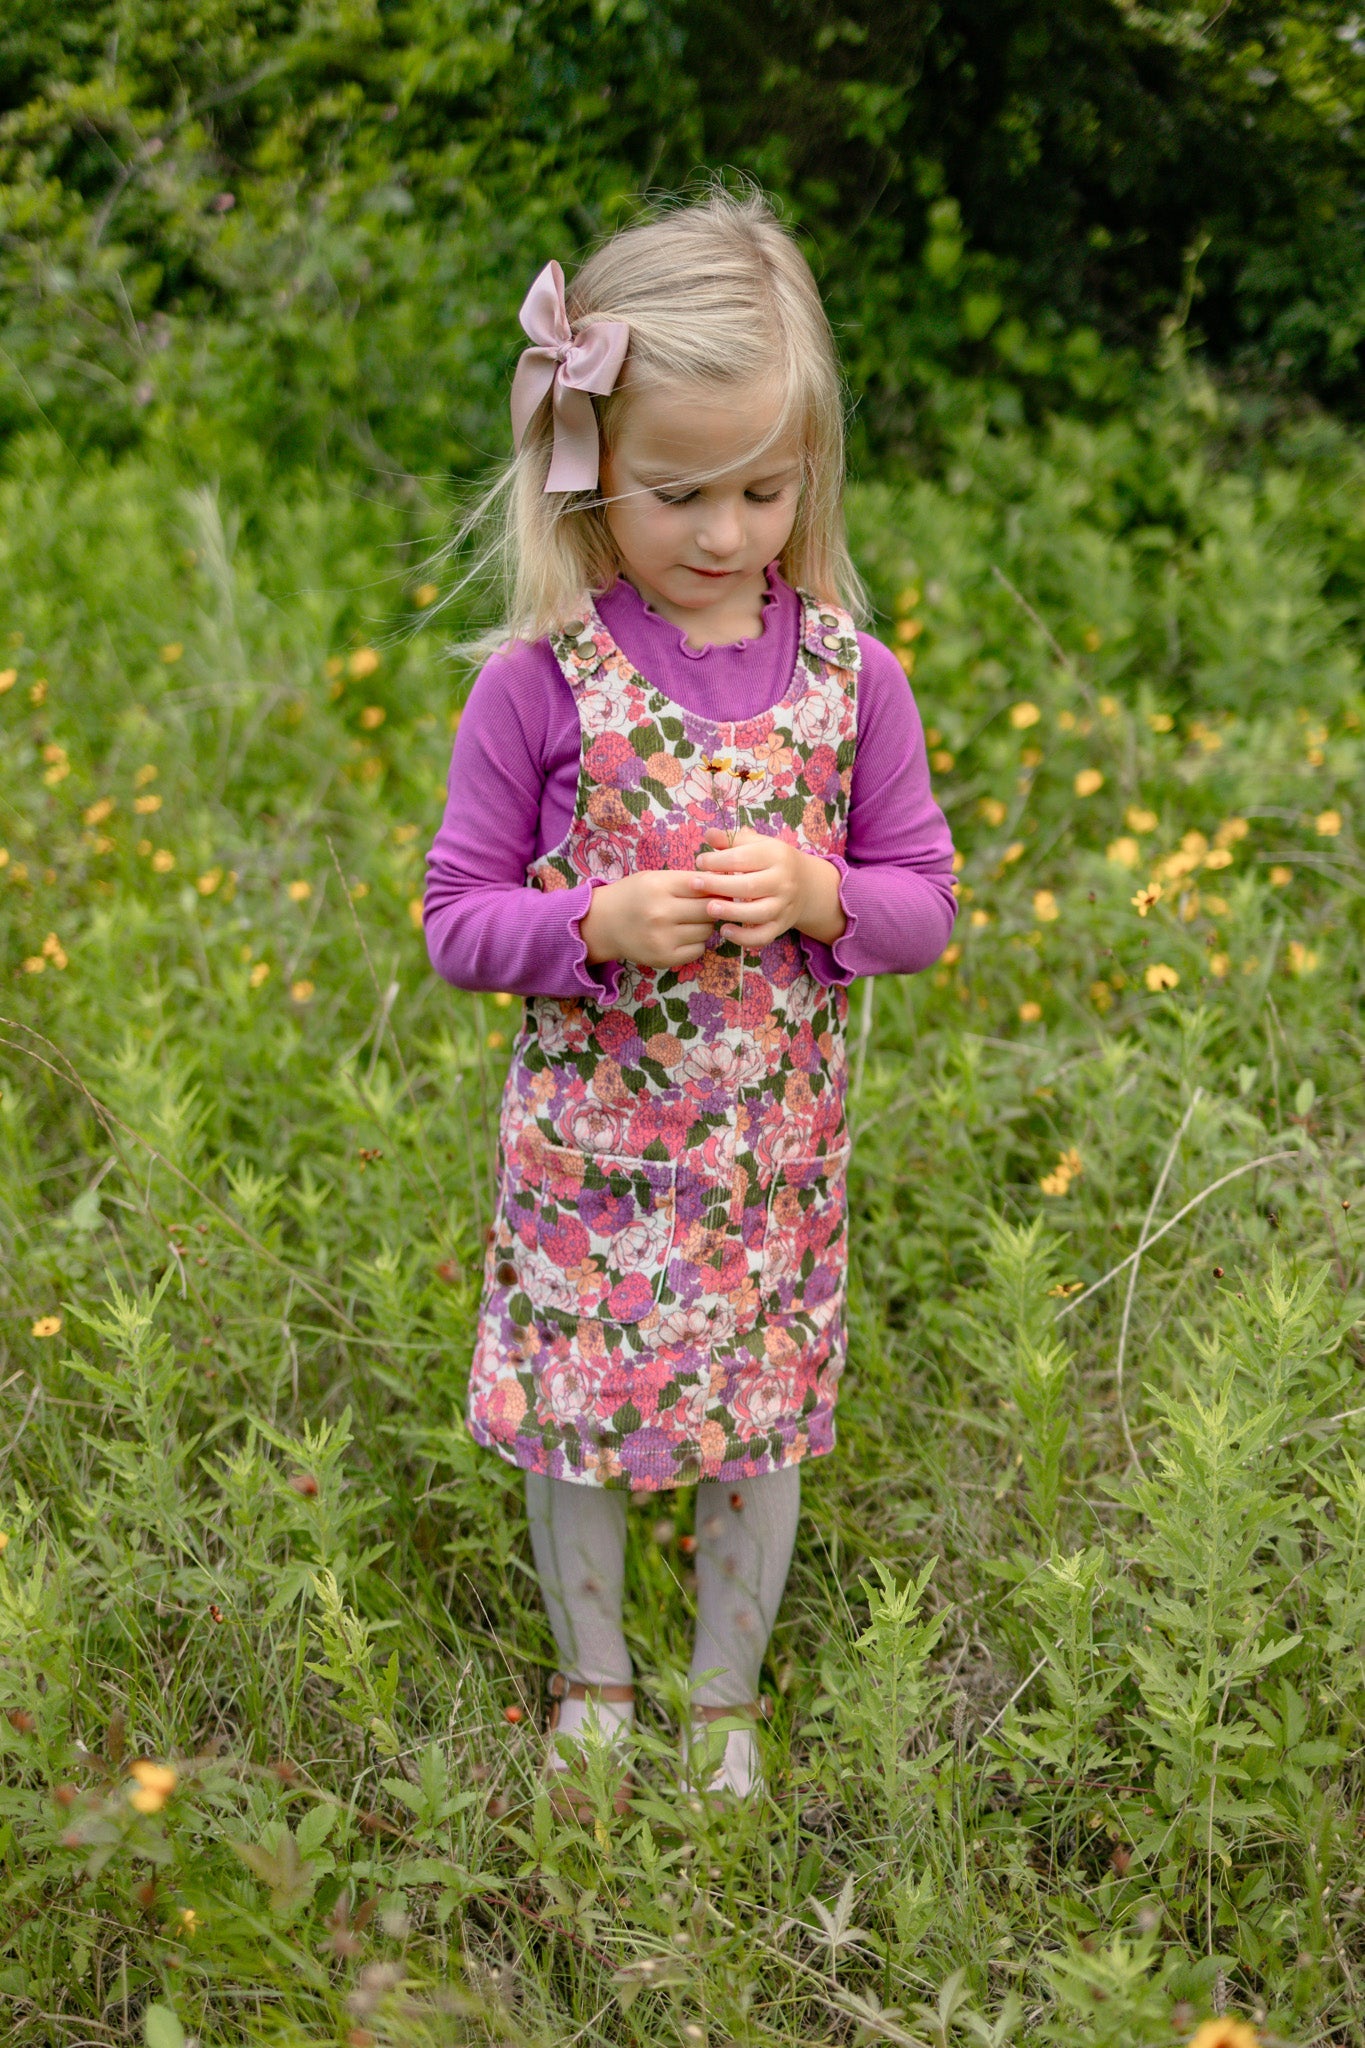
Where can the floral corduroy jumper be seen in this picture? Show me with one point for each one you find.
(664, 1292)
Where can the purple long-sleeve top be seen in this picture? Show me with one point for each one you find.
(514, 779)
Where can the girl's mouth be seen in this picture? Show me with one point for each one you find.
(709, 572)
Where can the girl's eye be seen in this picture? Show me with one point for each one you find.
(763, 497)
(685, 499)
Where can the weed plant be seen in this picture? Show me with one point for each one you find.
(1068, 1679)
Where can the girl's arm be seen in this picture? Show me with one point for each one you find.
(484, 928)
(896, 878)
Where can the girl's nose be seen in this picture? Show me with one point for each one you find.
(722, 531)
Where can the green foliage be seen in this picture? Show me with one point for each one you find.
(1068, 1678)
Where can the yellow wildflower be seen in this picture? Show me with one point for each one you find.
(1087, 781)
(172, 651)
(1067, 1169)
(941, 761)
(1022, 716)
(1281, 877)
(1030, 757)
(146, 805)
(404, 834)
(1160, 721)
(1328, 824)
(908, 630)
(1216, 906)
(1230, 831)
(155, 1784)
(1045, 907)
(333, 668)
(992, 810)
(97, 812)
(1030, 1012)
(144, 847)
(1101, 995)
(1195, 843)
(363, 662)
(415, 912)
(1138, 819)
(147, 773)
(495, 1040)
(1159, 976)
(1300, 959)
(51, 949)
(1067, 720)
(425, 594)
(1125, 853)
(4, 1542)
(1219, 964)
(504, 1001)
(1224, 2033)
(1146, 898)
(259, 973)
(359, 891)
(1011, 853)
(209, 881)
(299, 892)
(1093, 639)
(8, 678)
(35, 964)
(1220, 857)
(980, 919)
(189, 1920)
(1109, 707)
(47, 1326)
(163, 860)
(372, 717)
(951, 954)
(301, 992)
(38, 694)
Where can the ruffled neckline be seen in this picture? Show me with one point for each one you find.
(771, 597)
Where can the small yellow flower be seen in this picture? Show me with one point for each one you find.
(1224, 2033)
(35, 964)
(4, 1542)
(425, 594)
(1281, 877)
(359, 891)
(1146, 898)
(155, 1784)
(144, 847)
(1301, 960)
(1093, 639)
(908, 630)
(415, 912)
(38, 694)
(52, 950)
(906, 657)
(1230, 831)
(941, 761)
(1067, 1169)
(259, 973)
(363, 662)
(1030, 1012)
(980, 919)
(1012, 853)
(146, 805)
(333, 667)
(1160, 721)
(1328, 824)
(951, 954)
(1138, 819)
(1220, 857)
(189, 1920)
(1125, 853)
(1067, 720)
(299, 892)
(8, 678)
(301, 992)
(1159, 976)
(403, 835)
(1216, 906)
(372, 717)
(209, 881)
(1030, 757)
(47, 1326)
(1088, 781)
(172, 651)
(1195, 844)
(1022, 716)
(97, 812)
(1101, 995)
(163, 860)
(1109, 707)
(503, 999)
(992, 810)
(1219, 964)
(147, 773)
(1045, 907)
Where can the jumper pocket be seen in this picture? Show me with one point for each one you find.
(588, 1234)
(805, 1242)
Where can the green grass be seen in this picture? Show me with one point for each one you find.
(1069, 1685)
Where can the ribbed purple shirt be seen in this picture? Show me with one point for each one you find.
(514, 778)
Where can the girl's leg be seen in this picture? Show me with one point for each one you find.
(745, 1534)
(578, 1539)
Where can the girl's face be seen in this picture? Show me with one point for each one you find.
(695, 514)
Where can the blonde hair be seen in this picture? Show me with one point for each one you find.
(715, 291)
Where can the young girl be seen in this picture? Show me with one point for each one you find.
(688, 804)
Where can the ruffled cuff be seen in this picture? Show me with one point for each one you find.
(825, 961)
(600, 981)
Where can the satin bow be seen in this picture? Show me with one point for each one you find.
(569, 366)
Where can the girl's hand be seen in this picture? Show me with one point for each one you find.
(652, 918)
(765, 887)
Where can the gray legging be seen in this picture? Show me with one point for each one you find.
(745, 1532)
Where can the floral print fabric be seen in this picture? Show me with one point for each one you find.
(664, 1291)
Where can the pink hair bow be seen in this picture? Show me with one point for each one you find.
(569, 366)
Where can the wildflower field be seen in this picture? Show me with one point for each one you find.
(1068, 1682)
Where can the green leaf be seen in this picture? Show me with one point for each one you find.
(161, 2028)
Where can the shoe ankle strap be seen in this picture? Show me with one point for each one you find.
(562, 1688)
(755, 1710)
